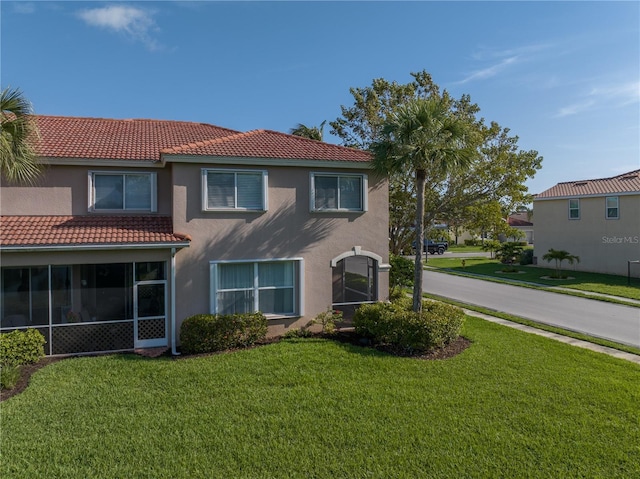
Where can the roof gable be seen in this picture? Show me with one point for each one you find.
(625, 183)
(270, 144)
(80, 138)
(99, 138)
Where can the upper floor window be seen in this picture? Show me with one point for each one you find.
(338, 192)
(110, 191)
(234, 190)
(613, 208)
(574, 209)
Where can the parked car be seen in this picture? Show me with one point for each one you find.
(433, 247)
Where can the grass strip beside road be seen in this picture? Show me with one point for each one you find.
(534, 324)
(580, 284)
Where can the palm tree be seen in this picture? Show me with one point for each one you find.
(425, 137)
(559, 256)
(313, 133)
(18, 130)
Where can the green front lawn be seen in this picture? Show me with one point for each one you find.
(593, 282)
(512, 405)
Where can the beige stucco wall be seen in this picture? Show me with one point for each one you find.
(286, 230)
(63, 190)
(603, 245)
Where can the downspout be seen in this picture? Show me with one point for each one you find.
(173, 303)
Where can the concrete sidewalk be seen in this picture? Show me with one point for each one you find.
(634, 358)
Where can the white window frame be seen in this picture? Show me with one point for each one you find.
(205, 193)
(298, 285)
(92, 196)
(576, 208)
(363, 199)
(617, 207)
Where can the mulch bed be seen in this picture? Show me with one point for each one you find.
(345, 336)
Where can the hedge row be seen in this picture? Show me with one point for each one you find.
(205, 333)
(396, 325)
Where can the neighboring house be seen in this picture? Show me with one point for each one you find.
(139, 224)
(521, 220)
(597, 220)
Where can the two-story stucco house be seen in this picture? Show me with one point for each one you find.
(136, 225)
(597, 220)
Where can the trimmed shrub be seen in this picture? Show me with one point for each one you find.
(21, 347)
(206, 333)
(402, 270)
(526, 257)
(9, 376)
(396, 325)
(327, 319)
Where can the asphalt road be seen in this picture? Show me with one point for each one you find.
(597, 318)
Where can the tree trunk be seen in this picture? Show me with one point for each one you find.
(421, 178)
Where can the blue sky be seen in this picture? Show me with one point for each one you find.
(563, 76)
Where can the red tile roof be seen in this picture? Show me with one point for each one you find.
(270, 144)
(99, 138)
(109, 139)
(40, 231)
(624, 183)
(518, 222)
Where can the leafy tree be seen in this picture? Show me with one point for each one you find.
(489, 219)
(424, 137)
(313, 132)
(559, 256)
(18, 130)
(497, 172)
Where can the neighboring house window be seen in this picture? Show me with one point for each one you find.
(613, 209)
(338, 192)
(122, 191)
(574, 209)
(234, 190)
(270, 286)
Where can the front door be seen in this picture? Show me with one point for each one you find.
(150, 318)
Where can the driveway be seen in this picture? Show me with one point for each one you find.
(597, 318)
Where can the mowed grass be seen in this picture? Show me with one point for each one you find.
(592, 282)
(511, 405)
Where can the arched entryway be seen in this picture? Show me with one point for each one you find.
(354, 280)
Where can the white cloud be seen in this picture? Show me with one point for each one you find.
(610, 95)
(135, 23)
(624, 94)
(24, 8)
(501, 60)
(490, 71)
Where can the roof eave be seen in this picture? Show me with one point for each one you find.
(150, 163)
(92, 247)
(257, 161)
(591, 195)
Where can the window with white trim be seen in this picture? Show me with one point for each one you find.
(234, 190)
(338, 192)
(118, 191)
(574, 209)
(272, 287)
(613, 207)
